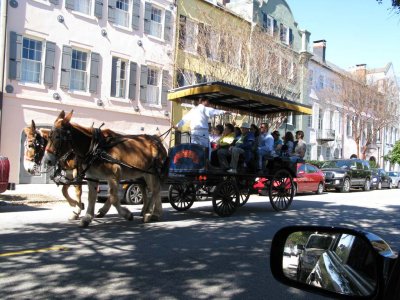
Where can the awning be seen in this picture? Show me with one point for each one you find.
(234, 98)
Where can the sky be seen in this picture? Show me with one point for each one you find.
(356, 31)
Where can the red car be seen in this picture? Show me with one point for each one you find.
(309, 179)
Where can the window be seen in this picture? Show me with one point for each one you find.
(290, 118)
(155, 24)
(309, 121)
(82, 6)
(284, 34)
(187, 34)
(78, 70)
(320, 82)
(122, 13)
(349, 130)
(308, 152)
(153, 86)
(328, 154)
(118, 77)
(320, 119)
(31, 60)
(268, 24)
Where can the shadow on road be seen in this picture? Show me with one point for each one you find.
(190, 255)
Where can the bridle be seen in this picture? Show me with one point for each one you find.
(38, 143)
(59, 138)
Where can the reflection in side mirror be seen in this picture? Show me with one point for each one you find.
(335, 260)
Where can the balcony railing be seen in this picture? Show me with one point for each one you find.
(326, 135)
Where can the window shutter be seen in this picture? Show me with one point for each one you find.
(94, 72)
(14, 69)
(182, 31)
(166, 83)
(114, 76)
(136, 14)
(147, 17)
(69, 4)
(276, 28)
(132, 80)
(98, 9)
(111, 10)
(66, 67)
(290, 37)
(143, 83)
(167, 26)
(55, 2)
(49, 63)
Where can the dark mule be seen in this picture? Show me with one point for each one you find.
(35, 144)
(112, 157)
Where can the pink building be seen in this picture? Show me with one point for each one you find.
(110, 61)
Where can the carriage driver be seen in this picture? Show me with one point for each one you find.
(198, 118)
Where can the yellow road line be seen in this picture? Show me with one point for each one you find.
(22, 252)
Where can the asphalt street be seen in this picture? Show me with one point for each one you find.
(189, 255)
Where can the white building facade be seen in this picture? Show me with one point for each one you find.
(329, 128)
(111, 61)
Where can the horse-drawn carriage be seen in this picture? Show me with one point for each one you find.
(189, 173)
(103, 155)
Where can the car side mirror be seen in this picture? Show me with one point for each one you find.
(336, 262)
(300, 247)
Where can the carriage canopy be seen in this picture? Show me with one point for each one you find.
(234, 98)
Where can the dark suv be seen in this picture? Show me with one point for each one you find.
(343, 174)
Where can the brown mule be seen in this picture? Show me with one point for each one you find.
(35, 143)
(112, 157)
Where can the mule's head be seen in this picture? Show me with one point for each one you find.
(35, 143)
(59, 142)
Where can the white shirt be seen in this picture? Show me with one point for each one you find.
(199, 116)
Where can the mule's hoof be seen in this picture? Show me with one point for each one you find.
(100, 215)
(130, 218)
(84, 223)
(146, 218)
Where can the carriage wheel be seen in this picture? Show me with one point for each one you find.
(281, 190)
(244, 187)
(225, 198)
(181, 196)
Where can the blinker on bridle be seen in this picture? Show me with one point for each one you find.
(38, 144)
(64, 135)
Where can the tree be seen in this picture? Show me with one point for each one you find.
(395, 5)
(368, 106)
(242, 54)
(394, 156)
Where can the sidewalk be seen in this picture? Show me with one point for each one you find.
(35, 193)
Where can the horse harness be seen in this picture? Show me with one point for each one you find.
(97, 152)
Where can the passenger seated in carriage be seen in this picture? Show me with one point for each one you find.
(278, 143)
(216, 134)
(265, 145)
(223, 145)
(243, 146)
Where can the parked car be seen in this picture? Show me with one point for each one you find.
(4, 173)
(344, 174)
(395, 179)
(356, 265)
(310, 253)
(128, 193)
(309, 179)
(380, 179)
